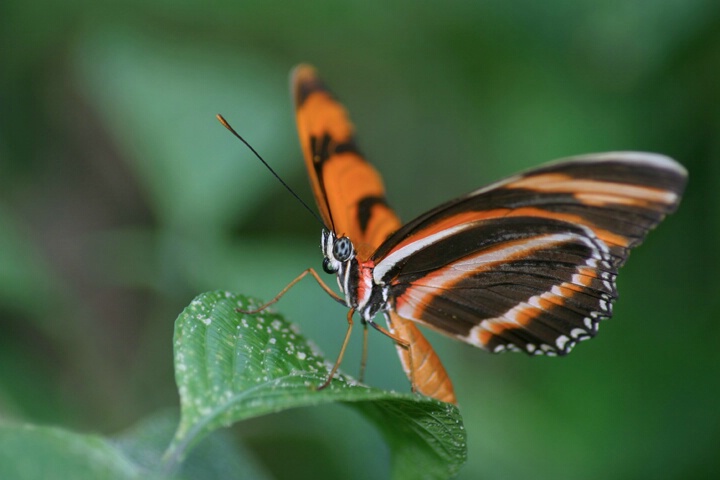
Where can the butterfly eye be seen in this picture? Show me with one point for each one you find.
(328, 267)
(342, 250)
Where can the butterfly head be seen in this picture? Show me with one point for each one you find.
(338, 252)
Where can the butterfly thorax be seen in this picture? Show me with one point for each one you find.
(355, 278)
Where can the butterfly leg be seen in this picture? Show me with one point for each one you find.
(312, 272)
(402, 344)
(363, 361)
(384, 331)
(342, 351)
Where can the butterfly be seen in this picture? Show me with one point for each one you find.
(526, 264)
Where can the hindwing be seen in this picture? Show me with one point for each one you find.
(529, 263)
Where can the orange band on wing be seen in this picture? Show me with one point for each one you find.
(611, 192)
(606, 236)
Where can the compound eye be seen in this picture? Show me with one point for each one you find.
(328, 267)
(342, 250)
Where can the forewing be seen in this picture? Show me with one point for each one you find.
(348, 190)
(530, 262)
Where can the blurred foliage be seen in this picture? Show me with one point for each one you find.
(122, 198)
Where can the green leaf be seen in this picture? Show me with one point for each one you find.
(30, 452)
(231, 366)
(218, 457)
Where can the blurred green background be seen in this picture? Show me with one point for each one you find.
(123, 198)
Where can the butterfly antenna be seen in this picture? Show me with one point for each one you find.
(232, 130)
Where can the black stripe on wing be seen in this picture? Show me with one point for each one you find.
(620, 196)
(530, 263)
(541, 292)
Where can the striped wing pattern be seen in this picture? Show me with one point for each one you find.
(351, 197)
(529, 263)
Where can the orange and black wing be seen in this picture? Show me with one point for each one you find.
(529, 263)
(351, 197)
(348, 190)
